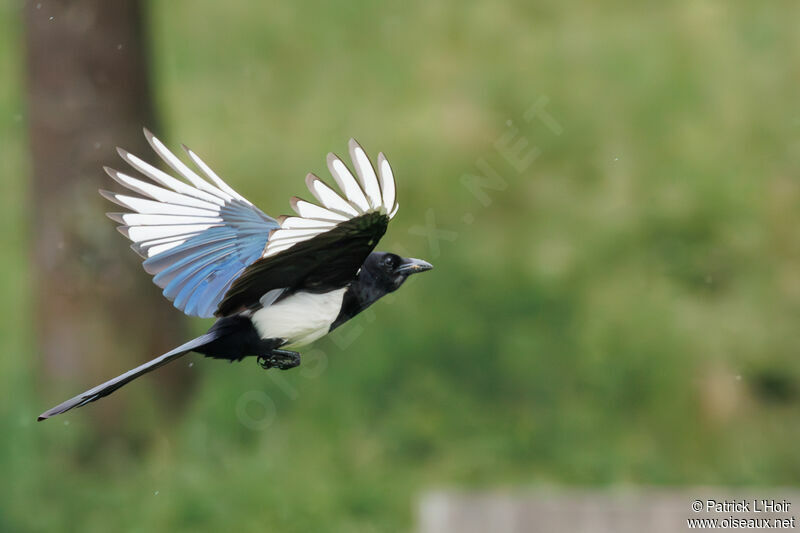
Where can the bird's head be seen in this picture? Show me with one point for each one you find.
(389, 270)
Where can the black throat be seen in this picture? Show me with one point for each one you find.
(362, 292)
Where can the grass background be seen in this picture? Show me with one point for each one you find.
(623, 312)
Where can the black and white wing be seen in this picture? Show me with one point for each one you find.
(196, 235)
(324, 245)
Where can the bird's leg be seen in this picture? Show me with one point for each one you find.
(281, 359)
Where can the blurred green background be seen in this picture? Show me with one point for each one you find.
(623, 312)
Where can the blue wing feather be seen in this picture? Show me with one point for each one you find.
(206, 240)
(214, 251)
(216, 255)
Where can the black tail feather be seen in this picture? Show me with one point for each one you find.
(110, 386)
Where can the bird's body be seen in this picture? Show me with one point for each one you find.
(299, 319)
(273, 284)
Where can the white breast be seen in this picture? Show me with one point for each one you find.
(301, 318)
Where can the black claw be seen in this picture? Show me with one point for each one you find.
(280, 359)
(286, 365)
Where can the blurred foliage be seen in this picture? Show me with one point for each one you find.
(624, 312)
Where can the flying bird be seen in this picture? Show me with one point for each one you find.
(274, 284)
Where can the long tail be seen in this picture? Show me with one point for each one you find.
(110, 386)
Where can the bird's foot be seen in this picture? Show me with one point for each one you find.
(280, 359)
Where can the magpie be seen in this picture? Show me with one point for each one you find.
(274, 284)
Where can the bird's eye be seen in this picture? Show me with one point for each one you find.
(390, 261)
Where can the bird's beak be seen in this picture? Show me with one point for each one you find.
(412, 266)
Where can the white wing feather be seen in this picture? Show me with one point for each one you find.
(370, 193)
(174, 210)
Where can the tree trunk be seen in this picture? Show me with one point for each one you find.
(97, 312)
